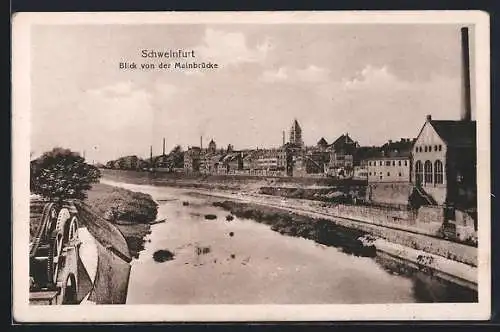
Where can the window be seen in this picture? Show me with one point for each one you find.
(438, 172)
(393, 163)
(399, 173)
(380, 173)
(418, 172)
(388, 163)
(381, 177)
(370, 173)
(406, 162)
(435, 147)
(439, 147)
(428, 171)
(399, 163)
(380, 163)
(388, 174)
(425, 148)
(369, 163)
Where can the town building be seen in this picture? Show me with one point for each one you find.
(392, 164)
(192, 159)
(322, 145)
(444, 163)
(342, 152)
(389, 173)
(212, 147)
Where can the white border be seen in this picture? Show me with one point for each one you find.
(23, 312)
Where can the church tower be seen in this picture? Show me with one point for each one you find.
(296, 134)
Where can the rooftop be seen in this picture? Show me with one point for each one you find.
(456, 133)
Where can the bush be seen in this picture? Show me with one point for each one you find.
(62, 174)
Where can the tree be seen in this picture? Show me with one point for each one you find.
(177, 157)
(61, 174)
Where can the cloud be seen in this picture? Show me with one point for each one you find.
(313, 74)
(117, 89)
(310, 74)
(165, 91)
(373, 77)
(279, 75)
(230, 48)
(111, 115)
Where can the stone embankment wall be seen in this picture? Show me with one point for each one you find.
(427, 220)
(389, 193)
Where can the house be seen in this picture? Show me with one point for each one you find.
(392, 164)
(342, 152)
(232, 161)
(361, 158)
(322, 145)
(444, 161)
(192, 159)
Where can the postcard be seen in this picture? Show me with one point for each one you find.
(251, 166)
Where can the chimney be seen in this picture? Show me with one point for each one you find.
(163, 145)
(428, 117)
(466, 110)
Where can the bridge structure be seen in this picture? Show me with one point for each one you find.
(59, 274)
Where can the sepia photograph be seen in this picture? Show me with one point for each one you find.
(251, 166)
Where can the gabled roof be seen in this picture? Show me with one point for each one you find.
(322, 142)
(343, 142)
(456, 133)
(343, 139)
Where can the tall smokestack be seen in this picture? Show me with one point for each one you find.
(151, 154)
(201, 142)
(163, 145)
(466, 109)
(283, 137)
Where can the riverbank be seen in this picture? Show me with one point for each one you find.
(138, 216)
(230, 182)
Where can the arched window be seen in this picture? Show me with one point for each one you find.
(418, 172)
(438, 172)
(428, 171)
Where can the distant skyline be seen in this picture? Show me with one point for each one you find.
(375, 82)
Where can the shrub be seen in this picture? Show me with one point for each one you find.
(62, 174)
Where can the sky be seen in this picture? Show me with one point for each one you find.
(375, 82)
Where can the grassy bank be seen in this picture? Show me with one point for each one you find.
(320, 230)
(131, 212)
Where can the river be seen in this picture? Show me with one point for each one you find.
(245, 262)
